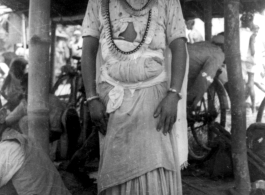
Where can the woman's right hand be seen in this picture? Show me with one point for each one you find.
(98, 114)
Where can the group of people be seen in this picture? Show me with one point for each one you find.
(24, 166)
(66, 48)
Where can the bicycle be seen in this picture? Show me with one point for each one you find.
(211, 108)
(70, 89)
(261, 111)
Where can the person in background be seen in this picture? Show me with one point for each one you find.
(141, 143)
(9, 57)
(11, 89)
(26, 165)
(18, 119)
(21, 51)
(62, 53)
(4, 69)
(259, 85)
(76, 44)
(193, 35)
(205, 60)
(258, 70)
(247, 50)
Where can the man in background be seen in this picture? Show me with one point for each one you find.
(194, 35)
(247, 51)
(205, 60)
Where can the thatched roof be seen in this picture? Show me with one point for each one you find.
(191, 8)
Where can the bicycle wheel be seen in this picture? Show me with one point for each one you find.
(64, 88)
(261, 111)
(211, 108)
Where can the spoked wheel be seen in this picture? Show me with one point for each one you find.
(261, 112)
(211, 108)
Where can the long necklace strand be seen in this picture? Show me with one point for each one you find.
(107, 22)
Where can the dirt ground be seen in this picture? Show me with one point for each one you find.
(191, 185)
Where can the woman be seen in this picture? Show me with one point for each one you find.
(139, 151)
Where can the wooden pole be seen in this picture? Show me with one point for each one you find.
(52, 57)
(208, 19)
(24, 33)
(236, 87)
(38, 94)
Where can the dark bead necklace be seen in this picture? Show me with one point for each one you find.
(109, 34)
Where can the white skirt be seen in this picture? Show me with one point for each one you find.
(157, 182)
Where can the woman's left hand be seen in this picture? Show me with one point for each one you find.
(167, 111)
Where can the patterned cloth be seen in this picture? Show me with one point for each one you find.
(132, 147)
(34, 172)
(11, 159)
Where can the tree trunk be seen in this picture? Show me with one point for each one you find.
(208, 19)
(236, 87)
(38, 94)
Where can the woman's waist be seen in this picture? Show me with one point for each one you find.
(133, 84)
(138, 70)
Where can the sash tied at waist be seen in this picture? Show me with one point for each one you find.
(117, 93)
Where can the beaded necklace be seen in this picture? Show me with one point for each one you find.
(121, 55)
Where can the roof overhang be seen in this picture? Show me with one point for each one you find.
(69, 11)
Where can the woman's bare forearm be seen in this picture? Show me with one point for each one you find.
(88, 64)
(178, 63)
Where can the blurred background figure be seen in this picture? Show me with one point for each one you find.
(11, 89)
(193, 34)
(21, 51)
(259, 63)
(76, 44)
(4, 69)
(247, 51)
(8, 57)
(62, 52)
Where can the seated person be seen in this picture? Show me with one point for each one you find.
(62, 120)
(205, 59)
(11, 89)
(19, 120)
(26, 165)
